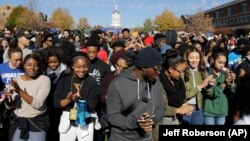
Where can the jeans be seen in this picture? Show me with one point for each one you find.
(196, 118)
(33, 136)
(214, 120)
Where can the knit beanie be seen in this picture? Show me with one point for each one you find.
(148, 57)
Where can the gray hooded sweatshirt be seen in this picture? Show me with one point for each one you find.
(123, 91)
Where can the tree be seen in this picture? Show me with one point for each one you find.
(149, 25)
(138, 28)
(98, 26)
(167, 20)
(30, 20)
(200, 23)
(83, 23)
(61, 18)
(14, 15)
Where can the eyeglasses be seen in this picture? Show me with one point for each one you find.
(180, 72)
(157, 69)
(49, 40)
(7, 33)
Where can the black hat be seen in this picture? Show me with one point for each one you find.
(148, 57)
(158, 38)
(23, 33)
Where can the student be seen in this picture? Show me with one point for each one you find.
(135, 99)
(78, 84)
(216, 106)
(29, 116)
(121, 62)
(55, 69)
(173, 68)
(197, 84)
(8, 71)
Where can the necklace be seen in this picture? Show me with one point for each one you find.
(77, 86)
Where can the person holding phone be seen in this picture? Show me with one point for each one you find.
(215, 108)
(134, 96)
(198, 84)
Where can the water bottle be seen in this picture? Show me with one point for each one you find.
(82, 112)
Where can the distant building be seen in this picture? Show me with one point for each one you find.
(116, 18)
(229, 18)
(234, 16)
(6, 10)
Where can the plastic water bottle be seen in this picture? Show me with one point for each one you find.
(82, 112)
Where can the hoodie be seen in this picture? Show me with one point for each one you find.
(123, 91)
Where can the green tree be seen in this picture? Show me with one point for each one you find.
(14, 16)
(61, 18)
(149, 25)
(167, 20)
(83, 23)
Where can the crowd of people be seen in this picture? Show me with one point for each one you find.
(132, 82)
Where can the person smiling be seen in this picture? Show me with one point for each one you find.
(78, 84)
(198, 84)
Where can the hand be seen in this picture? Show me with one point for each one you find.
(76, 97)
(185, 109)
(206, 81)
(6, 96)
(212, 82)
(69, 97)
(7, 93)
(230, 77)
(15, 86)
(145, 122)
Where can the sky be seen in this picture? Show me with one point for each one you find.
(133, 12)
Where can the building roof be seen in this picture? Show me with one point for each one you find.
(224, 5)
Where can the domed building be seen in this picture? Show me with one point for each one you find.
(116, 18)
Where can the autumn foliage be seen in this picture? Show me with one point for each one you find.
(62, 19)
(167, 20)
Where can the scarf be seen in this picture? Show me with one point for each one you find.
(176, 94)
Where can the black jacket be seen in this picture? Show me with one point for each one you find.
(89, 92)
